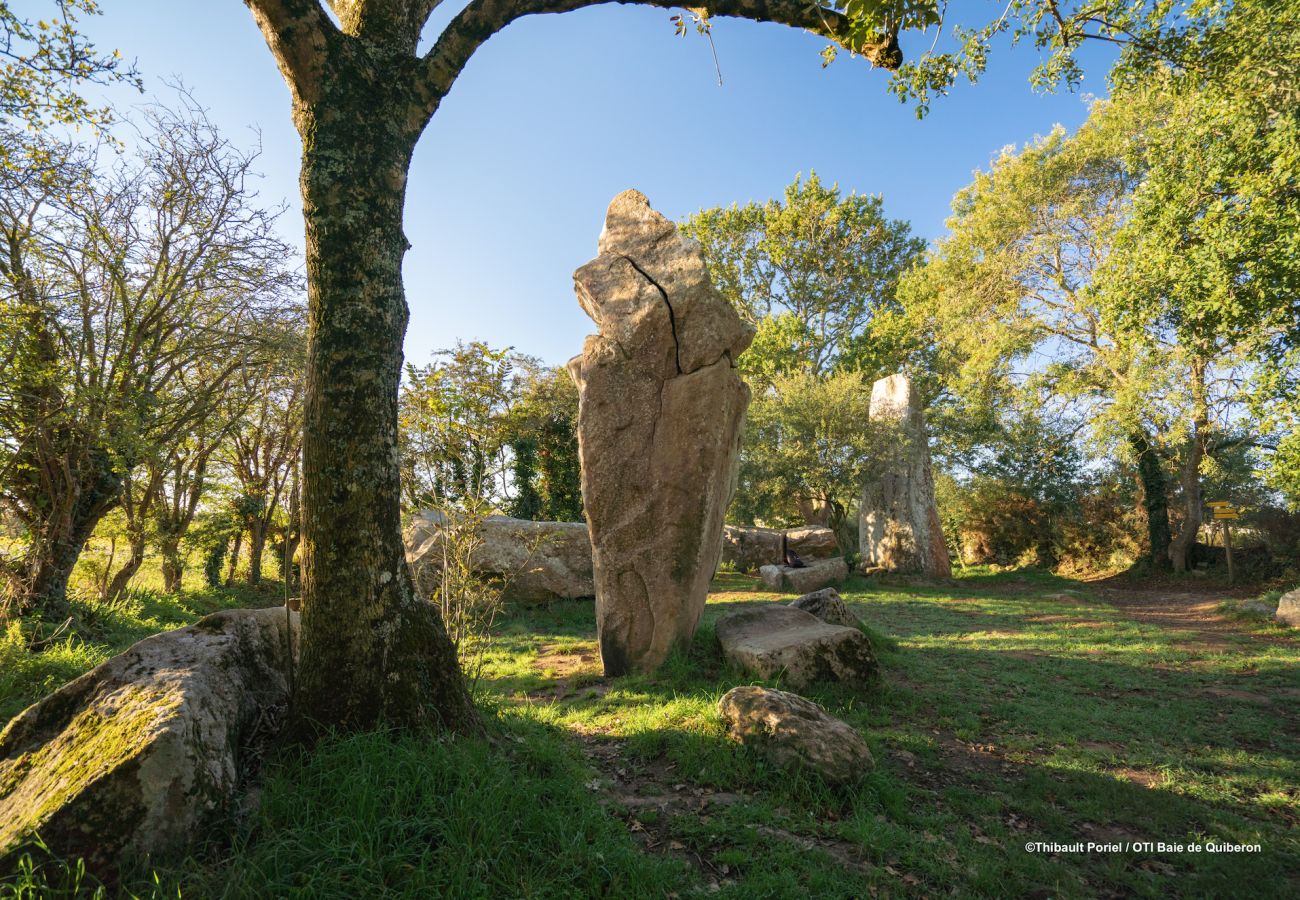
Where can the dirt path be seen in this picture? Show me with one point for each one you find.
(1180, 609)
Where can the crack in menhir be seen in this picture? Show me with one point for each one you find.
(672, 317)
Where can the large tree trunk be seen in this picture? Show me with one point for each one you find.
(256, 545)
(92, 491)
(372, 653)
(1151, 475)
(173, 563)
(1190, 474)
(48, 570)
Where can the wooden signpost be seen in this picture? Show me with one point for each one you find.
(1226, 513)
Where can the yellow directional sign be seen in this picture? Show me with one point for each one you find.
(1223, 509)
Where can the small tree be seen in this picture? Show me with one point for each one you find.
(1018, 495)
(453, 427)
(183, 486)
(262, 447)
(544, 420)
(809, 437)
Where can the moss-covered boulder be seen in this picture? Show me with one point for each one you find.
(135, 759)
(795, 733)
(829, 606)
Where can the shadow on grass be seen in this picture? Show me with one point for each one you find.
(984, 741)
(1084, 719)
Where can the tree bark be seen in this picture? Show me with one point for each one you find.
(129, 568)
(1190, 474)
(236, 544)
(291, 537)
(173, 563)
(54, 552)
(846, 537)
(1151, 476)
(256, 545)
(372, 653)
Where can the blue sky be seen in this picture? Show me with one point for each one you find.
(557, 114)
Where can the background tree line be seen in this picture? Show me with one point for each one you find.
(151, 341)
(1105, 337)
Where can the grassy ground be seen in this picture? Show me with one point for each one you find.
(1015, 708)
(98, 631)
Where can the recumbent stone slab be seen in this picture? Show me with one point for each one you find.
(773, 639)
(749, 547)
(814, 576)
(534, 562)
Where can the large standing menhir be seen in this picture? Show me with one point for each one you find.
(658, 431)
(898, 523)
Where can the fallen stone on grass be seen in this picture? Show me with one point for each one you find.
(793, 732)
(748, 548)
(1257, 608)
(1288, 609)
(134, 760)
(775, 640)
(534, 562)
(827, 605)
(814, 576)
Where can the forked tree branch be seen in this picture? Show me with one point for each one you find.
(298, 33)
(395, 24)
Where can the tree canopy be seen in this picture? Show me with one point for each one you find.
(810, 272)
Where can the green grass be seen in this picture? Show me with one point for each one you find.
(1009, 712)
(100, 630)
(420, 817)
